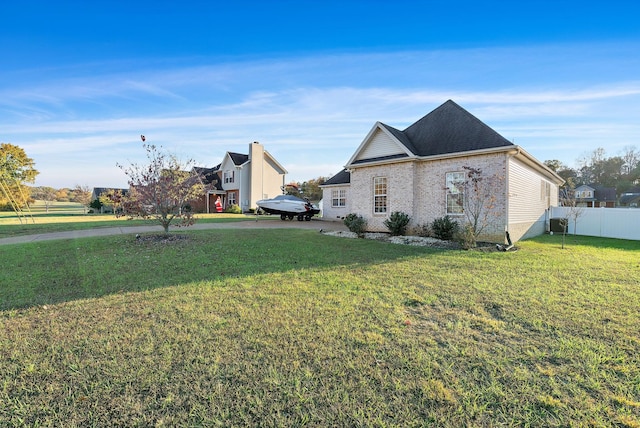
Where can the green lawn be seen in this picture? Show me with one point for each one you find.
(64, 216)
(293, 328)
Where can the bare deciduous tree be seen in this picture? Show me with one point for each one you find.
(479, 202)
(82, 195)
(575, 210)
(163, 189)
(46, 194)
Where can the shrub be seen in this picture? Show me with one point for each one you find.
(356, 224)
(466, 237)
(444, 228)
(397, 223)
(233, 209)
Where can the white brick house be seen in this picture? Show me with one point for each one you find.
(412, 170)
(336, 202)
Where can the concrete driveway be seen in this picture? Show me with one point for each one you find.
(259, 223)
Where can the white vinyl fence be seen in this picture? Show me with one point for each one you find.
(621, 223)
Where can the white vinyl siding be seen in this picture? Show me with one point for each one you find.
(331, 212)
(527, 193)
(380, 145)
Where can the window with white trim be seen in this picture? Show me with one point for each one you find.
(228, 176)
(455, 192)
(380, 195)
(338, 198)
(231, 199)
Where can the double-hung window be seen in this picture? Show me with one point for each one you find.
(338, 198)
(232, 198)
(455, 192)
(380, 195)
(228, 176)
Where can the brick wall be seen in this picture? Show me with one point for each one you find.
(418, 189)
(335, 213)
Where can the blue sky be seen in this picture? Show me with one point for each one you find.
(80, 81)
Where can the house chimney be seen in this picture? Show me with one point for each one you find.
(256, 173)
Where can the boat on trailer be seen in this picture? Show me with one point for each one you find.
(289, 207)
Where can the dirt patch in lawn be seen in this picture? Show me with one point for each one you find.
(162, 239)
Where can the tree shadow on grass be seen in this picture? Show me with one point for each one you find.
(52, 272)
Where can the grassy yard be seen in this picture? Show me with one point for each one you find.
(63, 216)
(294, 328)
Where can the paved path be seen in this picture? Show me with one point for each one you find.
(316, 224)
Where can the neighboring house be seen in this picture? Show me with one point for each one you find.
(630, 198)
(412, 171)
(594, 196)
(244, 179)
(211, 179)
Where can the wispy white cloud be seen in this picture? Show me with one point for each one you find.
(311, 112)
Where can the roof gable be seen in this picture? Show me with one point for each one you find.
(233, 160)
(584, 187)
(381, 143)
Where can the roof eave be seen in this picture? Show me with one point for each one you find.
(527, 158)
(282, 168)
(350, 166)
(437, 157)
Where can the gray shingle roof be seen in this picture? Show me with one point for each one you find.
(451, 129)
(628, 198)
(605, 193)
(447, 129)
(343, 177)
(209, 176)
(238, 158)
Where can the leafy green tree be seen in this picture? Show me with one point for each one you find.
(62, 195)
(311, 188)
(113, 198)
(95, 204)
(554, 164)
(16, 169)
(162, 189)
(569, 175)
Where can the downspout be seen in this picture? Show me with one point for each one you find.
(239, 170)
(512, 154)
